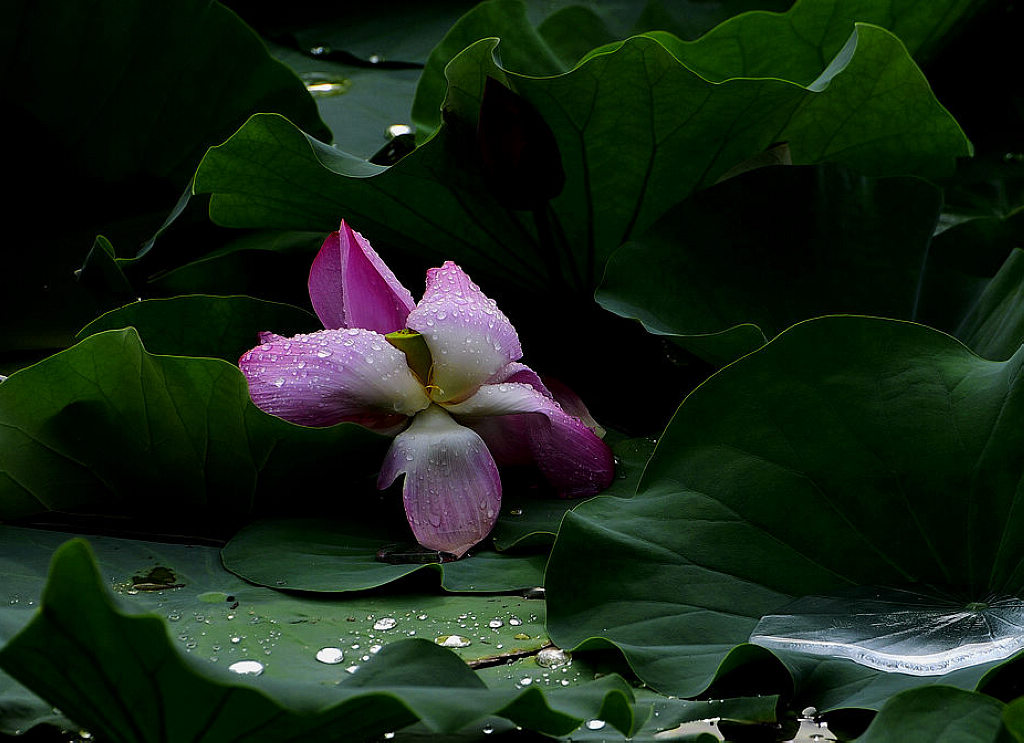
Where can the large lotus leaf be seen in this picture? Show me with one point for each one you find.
(218, 617)
(938, 715)
(847, 452)
(318, 555)
(749, 257)
(106, 426)
(790, 45)
(870, 108)
(100, 665)
(293, 627)
(202, 325)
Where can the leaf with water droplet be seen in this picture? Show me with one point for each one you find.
(418, 675)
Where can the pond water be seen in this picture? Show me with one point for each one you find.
(898, 630)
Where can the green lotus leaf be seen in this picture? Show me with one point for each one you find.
(870, 109)
(198, 325)
(324, 556)
(747, 258)
(217, 619)
(742, 260)
(790, 45)
(938, 715)
(1013, 718)
(848, 452)
(119, 675)
(106, 426)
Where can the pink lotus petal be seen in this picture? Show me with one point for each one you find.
(572, 404)
(351, 287)
(573, 460)
(519, 372)
(333, 376)
(469, 338)
(452, 491)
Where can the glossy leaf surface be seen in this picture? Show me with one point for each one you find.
(866, 430)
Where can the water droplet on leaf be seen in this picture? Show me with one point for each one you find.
(247, 667)
(330, 656)
(453, 641)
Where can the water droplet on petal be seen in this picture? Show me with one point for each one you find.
(595, 724)
(385, 623)
(495, 623)
(515, 621)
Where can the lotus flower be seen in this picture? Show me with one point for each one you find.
(442, 376)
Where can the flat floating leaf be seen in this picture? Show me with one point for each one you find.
(121, 676)
(870, 431)
(318, 555)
